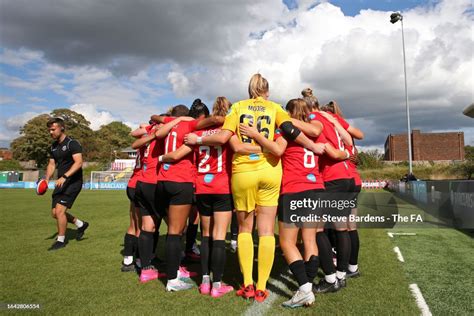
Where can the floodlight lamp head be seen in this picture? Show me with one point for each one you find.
(395, 17)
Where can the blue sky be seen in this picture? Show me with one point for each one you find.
(141, 58)
(353, 7)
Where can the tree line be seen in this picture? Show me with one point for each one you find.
(102, 145)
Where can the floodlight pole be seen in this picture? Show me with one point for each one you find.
(399, 17)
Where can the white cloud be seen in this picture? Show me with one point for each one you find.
(96, 117)
(15, 122)
(10, 127)
(19, 57)
(358, 62)
(179, 83)
(207, 52)
(37, 99)
(7, 100)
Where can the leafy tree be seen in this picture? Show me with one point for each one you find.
(34, 142)
(469, 153)
(10, 165)
(113, 137)
(78, 128)
(370, 159)
(465, 169)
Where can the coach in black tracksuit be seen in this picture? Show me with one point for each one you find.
(66, 154)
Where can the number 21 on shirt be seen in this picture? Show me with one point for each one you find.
(205, 153)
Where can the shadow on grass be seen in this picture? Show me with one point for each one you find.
(232, 274)
(70, 235)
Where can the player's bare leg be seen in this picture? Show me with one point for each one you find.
(81, 226)
(59, 213)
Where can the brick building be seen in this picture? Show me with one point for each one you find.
(5, 154)
(425, 146)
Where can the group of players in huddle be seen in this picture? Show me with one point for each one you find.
(254, 159)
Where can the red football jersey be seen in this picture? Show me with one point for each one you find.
(352, 167)
(150, 159)
(184, 169)
(331, 169)
(214, 166)
(300, 169)
(137, 170)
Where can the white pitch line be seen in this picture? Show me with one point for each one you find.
(258, 309)
(420, 301)
(400, 234)
(399, 254)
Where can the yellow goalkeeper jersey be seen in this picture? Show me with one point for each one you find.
(266, 116)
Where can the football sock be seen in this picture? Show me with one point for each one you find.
(308, 287)
(340, 274)
(298, 269)
(330, 278)
(156, 237)
(266, 255)
(234, 227)
(127, 260)
(343, 250)
(191, 234)
(78, 223)
(331, 233)
(353, 267)
(61, 238)
(173, 254)
(245, 254)
(145, 247)
(218, 259)
(312, 266)
(135, 247)
(205, 255)
(128, 241)
(354, 235)
(325, 253)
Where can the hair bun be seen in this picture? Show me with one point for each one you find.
(197, 102)
(307, 92)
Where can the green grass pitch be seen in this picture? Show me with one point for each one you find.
(85, 277)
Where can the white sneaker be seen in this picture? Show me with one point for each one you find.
(300, 299)
(177, 285)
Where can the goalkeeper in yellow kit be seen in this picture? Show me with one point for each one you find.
(256, 179)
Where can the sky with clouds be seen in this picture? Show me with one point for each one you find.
(124, 60)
